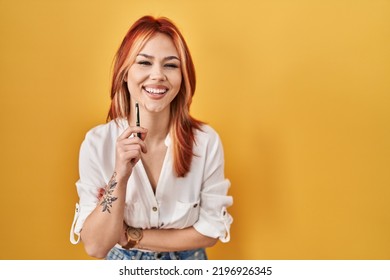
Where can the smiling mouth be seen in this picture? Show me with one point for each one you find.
(159, 91)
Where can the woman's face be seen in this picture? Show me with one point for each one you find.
(155, 77)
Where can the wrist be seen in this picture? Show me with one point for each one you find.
(134, 236)
(123, 237)
(120, 177)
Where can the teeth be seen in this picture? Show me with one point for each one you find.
(156, 90)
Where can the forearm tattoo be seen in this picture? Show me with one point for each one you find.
(108, 198)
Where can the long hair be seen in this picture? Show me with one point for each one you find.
(182, 125)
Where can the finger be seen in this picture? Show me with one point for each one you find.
(127, 157)
(143, 135)
(133, 156)
(132, 143)
(132, 129)
(130, 148)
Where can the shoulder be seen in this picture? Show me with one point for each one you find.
(107, 132)
(206, 132)
(207, 136)
(209, 149)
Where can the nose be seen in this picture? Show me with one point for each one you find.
(158, 73)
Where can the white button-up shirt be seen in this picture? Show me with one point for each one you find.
(199, 199)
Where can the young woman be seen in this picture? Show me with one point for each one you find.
(155, 190)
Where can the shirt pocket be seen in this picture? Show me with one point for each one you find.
(185, 214)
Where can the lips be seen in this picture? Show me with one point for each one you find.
(156, 90)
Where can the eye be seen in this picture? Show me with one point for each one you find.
(144, 62)
(171, 65)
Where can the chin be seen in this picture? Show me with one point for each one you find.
(154, 108)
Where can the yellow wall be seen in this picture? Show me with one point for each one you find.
(298, 90)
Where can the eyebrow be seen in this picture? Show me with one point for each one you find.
(165, 58)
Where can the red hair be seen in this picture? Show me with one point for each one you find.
(182, 125)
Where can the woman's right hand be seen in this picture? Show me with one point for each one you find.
(128, 151)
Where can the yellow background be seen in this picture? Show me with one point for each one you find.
(298, 90)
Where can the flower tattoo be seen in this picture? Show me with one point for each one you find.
(108, 199)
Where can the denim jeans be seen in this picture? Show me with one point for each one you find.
(123, 254)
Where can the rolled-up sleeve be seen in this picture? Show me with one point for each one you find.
(214, 219)
(87, 187)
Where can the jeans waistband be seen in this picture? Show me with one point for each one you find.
(134, 254)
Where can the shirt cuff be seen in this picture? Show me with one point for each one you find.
(80, 215)
(218, 227)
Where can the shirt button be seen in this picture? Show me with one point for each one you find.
(154, 209)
